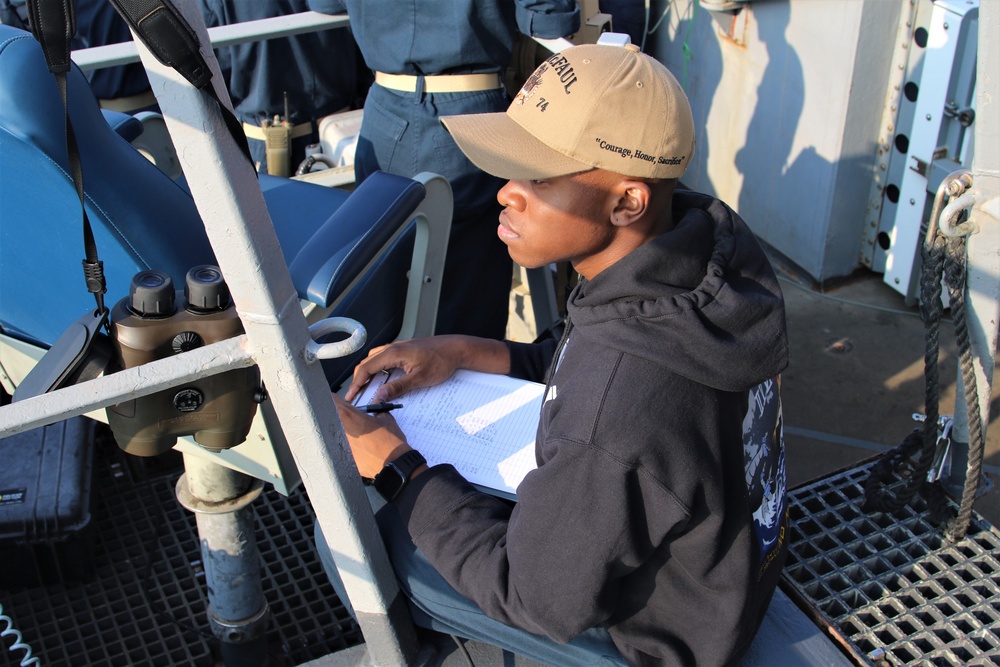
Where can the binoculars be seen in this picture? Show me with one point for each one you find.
(156, 321)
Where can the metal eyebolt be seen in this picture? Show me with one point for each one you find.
(954, 187)
(951, 213)
(315, 351)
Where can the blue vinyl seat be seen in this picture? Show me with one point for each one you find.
(142, 219)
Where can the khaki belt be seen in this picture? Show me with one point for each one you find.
(439, 83)
(130, 102)
(256, 132)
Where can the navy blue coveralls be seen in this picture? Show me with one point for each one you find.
(97, 24)
(401, 133)
(319, 71)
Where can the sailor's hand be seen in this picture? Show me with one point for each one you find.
(427, 362)
(374, 439)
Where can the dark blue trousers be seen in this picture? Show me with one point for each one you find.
(401, 134)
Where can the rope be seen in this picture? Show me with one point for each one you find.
(955, 276)
(896, 478)
(893, 480)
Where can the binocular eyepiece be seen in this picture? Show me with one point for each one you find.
(152, 295)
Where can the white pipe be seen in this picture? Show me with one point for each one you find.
(110, 55)
(124, 385)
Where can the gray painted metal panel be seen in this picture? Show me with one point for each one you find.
(787, 98)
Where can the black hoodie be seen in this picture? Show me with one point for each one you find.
(658, 507)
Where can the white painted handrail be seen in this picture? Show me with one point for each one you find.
(125, 53)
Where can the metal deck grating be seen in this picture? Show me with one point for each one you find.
(886, 586)
(146, 602)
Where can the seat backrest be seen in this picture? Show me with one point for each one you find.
(142, 219)
(41, 228)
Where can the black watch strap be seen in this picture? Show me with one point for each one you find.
(396, 474)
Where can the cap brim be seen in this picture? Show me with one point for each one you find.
(495, 143)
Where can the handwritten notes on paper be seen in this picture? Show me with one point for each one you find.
(481, 423)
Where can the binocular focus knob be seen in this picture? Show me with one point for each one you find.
(205, 289)
(151, 294)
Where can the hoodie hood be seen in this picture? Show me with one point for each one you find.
(705, 288)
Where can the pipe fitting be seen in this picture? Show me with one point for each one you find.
(242, 631)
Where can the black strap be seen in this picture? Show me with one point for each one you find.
(173, 42)
(53, 24)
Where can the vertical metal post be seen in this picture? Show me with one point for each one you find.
(238, 613)
(983, 298)
(230, 202)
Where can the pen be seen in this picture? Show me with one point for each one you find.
(381, 407)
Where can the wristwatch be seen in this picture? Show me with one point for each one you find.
(395, 475)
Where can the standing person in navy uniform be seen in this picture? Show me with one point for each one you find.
(433, 58)
(120, 88)
(318, 72)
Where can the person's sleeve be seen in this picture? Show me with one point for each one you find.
(530, 361)
(548, 19)
(328, 6)
(14, 13)
(212, 14)
(552, 564)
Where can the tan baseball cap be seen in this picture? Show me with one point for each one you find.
(590, 106)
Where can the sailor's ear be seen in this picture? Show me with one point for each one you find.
(633, 202)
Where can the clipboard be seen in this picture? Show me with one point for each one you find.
(484, 424)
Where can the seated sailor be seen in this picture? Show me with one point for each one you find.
(653, 529)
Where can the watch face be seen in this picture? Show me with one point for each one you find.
(394, 476)
(389, 482)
